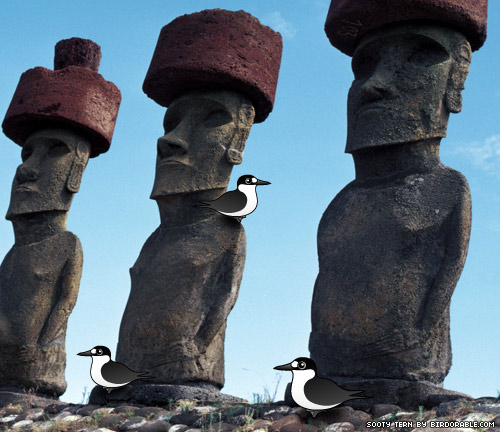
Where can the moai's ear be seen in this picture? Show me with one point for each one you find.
(234, 153)
(75, 176)
(246, 115)
(78, 166)
(456, 79)
(234, 156)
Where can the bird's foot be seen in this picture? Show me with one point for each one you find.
(314, 413)
(108, 389)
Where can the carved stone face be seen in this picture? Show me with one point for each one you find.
(407, 79)
(53, 164)
(205, 134)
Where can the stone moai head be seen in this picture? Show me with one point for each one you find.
(60, 118)
(51, 172)
(215, 88)
(410, 62)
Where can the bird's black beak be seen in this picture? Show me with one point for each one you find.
(286, 367)
(85, 353)
(262, 183)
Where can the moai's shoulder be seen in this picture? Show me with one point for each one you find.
(454, 176)
(450, 181)
(67, 244)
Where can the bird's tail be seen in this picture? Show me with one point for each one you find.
(145, 375)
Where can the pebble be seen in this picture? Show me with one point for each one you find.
(245, 418)
(340, 427)
(178, 428)
(133, 423)
(155, 426)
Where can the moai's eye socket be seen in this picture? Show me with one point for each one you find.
(216, 118)
(58, 148)
(427, 53)
(26, 153)
(170, 122)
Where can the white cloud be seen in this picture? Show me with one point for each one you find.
(484, 155)
(276, 21)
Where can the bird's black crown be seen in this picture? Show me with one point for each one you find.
(304, 363)
(100, 350)
(247, 179)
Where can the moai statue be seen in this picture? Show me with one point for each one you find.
(393, 242)
(60, 118)
(216, 71)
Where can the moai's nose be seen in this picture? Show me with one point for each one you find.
(26, 173)
(174, 142)
(171, 144)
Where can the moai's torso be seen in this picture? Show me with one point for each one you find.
(35, 281)
(383, 247)
(184, 284)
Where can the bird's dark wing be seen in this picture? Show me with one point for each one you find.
(230, 202)
(322, 391)
(118, 373)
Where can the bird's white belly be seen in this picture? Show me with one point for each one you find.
(249, 207)
(299, 397)
(95, 374)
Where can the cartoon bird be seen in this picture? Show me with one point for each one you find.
(314, 393)
(107, 373)
(238, 203)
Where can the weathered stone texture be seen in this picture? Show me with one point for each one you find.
(37, 294)
(348, 21)
(184, 284)
(74, 97)
(393, 242)
(60, 118)
(391, 250)
(216, 49)
(77, 52)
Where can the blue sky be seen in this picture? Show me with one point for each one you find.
(299, 149)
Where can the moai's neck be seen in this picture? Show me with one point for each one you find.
(34, 227)
(397, 160)
(181, 209)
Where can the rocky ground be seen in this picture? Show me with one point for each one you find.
(459, 415)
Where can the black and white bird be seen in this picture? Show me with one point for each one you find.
(240, 202)
(314, 393)
(107, 373)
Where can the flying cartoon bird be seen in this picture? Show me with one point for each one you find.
(107, 373)
(240, 202)
(314, 393)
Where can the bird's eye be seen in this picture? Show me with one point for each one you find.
(248, 181)
(99, 351)
(302, 365)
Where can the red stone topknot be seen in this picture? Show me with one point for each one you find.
(349, 20)
(73, 95)
(216, 48)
